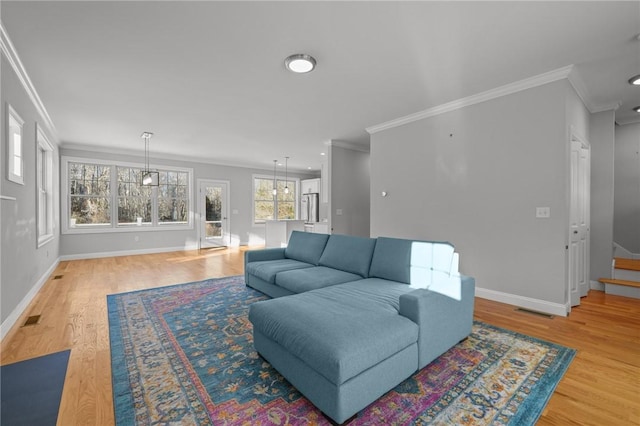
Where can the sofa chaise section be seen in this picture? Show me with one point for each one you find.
(342, 346)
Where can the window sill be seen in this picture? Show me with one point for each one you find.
(125, 228)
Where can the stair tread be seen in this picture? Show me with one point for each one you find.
(630, 264)
(620, 282)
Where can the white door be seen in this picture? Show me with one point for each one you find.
(213, 205)
(580, 183)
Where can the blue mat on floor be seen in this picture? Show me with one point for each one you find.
(31, 390)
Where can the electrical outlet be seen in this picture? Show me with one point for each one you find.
(543, 212)
(339, 212)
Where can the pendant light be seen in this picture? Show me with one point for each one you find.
(286, 182)
(275, 190)
(149, 178)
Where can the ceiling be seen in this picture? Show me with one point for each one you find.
(208, 77)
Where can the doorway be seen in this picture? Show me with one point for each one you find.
(213, 205)
(579, 218)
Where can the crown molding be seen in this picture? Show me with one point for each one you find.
(583, 93)
(174, 157)
(633, 120)
(348, 145)
(12, 56)
(507, 89)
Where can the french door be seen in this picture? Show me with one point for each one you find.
(213, 207)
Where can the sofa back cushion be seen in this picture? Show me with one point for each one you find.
(348, 253)
(306, 246)
(395, 259)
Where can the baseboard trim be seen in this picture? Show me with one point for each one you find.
(596, 285)
(127, 252)
(14, 316)
(523, 302)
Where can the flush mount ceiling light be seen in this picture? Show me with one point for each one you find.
(300, 63)
(635, 80)
(637, 109)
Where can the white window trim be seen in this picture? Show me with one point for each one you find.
(11, 172)
(44, 147)
(253, 196)
(113, 226)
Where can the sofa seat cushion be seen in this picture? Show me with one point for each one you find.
(348, 253)
(369, 293)
(267, 270)
(301, 280)
(325, 330)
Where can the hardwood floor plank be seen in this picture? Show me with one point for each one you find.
(601, 387)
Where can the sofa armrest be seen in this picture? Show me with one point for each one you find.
(443, 321)
(261, 255)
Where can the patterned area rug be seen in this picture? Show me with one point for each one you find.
(184, 355)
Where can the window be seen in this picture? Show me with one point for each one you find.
(265, 204)
(106, 196)
(134, 200)
(173, 197)
(15, 172)
(44, 175)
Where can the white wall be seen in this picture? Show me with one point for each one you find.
(602, 154)
(350, 180)
(24, 266)
(242, 228)
(475, 176)
(626, 229)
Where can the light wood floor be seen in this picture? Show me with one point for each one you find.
(601, 387)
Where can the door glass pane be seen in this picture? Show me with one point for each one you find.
(214, 203)
(213, 229)
(213, 213)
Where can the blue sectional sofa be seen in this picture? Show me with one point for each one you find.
(360, 314)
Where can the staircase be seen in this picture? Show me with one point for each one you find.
(625, 279)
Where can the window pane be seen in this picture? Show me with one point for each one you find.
(172, 178)
(90, 210)
(183, 178)
(123, 174)
(90, 179)
(17, 145)
(286, 210)
(213, 230)
(131, 208)
(213, 203)
(17, 166)
(291, 196)
(263, 189)
(263, 210)
(172, 210)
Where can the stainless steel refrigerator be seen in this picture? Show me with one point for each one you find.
(310, 208)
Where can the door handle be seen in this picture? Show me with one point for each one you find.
(575, 232)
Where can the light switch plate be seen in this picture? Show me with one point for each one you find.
(338, 212)
(543, 212)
